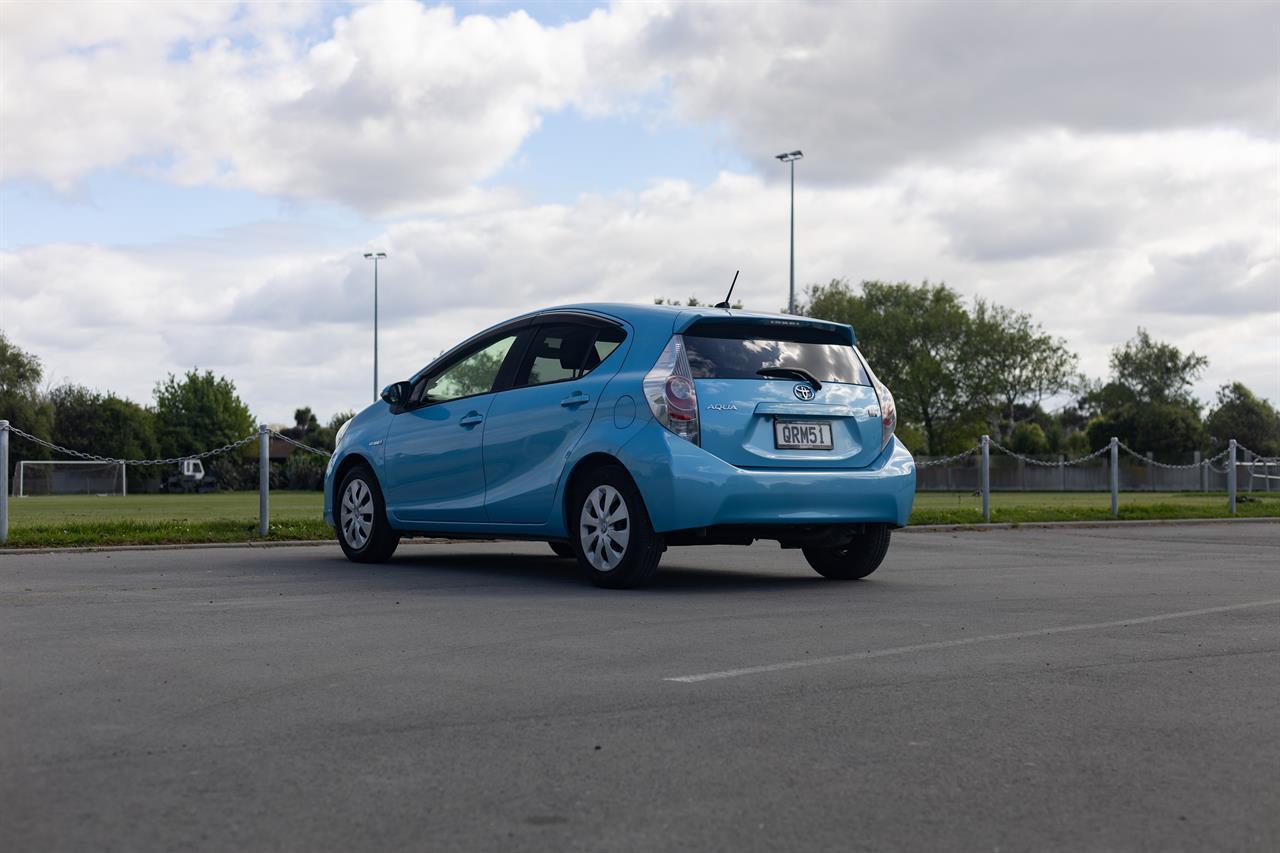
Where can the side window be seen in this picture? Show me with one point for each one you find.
(474, 374)
(607, 340)
(564, 351)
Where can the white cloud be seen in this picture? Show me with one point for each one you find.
(398, 107)
(865, 87)
(402, 107)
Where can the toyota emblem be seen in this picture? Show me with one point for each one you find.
(804, 392)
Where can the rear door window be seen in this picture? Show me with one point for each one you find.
(560, 352)
(740, 352)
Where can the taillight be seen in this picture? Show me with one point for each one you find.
(669, 389)
(888, 413)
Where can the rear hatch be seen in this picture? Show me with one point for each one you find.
(783, 420)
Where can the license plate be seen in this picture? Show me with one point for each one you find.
(802, 435)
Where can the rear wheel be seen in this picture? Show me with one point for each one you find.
(613, 538)
(363, 530)
(856, 560)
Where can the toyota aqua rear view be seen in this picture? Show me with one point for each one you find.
(616, 431)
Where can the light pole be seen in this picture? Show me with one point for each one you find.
(791, 157)
(375, 257)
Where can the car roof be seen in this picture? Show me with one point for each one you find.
(681, 317)
(653, 319)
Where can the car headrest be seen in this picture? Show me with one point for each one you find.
(573, 349)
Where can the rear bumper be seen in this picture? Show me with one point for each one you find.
(685, 487)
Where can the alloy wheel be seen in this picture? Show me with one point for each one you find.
(357, 514)
(604, 528)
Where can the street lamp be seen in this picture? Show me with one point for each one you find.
(375, 257)
(791, 157)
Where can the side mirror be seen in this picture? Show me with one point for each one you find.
(397, 393)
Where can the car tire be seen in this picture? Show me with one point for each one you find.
(563, 549)
(624, 551)
(361, 515)
(856, 560)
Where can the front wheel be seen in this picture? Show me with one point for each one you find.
(363, 530)
(859, 558)
(613, 538)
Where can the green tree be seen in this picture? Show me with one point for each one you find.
(305, 420)
(198, 412)
(201, 412)
(1241, 415)
(1156, 372)
(1169, 430)
(104, 425)
(1147, 403)
(21, 402)
(1098, 398)
(305, 426)
(1028, 439)
(304, 469)
(1017, 363)
(918, 339)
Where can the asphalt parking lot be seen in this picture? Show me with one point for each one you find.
(1079, 689)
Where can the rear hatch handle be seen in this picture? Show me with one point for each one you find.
(791, 373)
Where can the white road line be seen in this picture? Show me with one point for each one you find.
(966, 641)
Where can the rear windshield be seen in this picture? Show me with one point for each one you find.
(737, 354)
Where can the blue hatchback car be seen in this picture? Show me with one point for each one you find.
(615, 431)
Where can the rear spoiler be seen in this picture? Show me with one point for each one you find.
(688, 319)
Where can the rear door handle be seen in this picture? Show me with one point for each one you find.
(470, 419)
(575, 399)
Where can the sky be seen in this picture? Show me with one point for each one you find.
(194, 185)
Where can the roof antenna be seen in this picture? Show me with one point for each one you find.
(725, 304)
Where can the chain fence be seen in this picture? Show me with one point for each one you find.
(110, 460)
(300, 445)
(263, 436)
(1028, 460)
(944, 474)
(947, 460)
(1252, 463)
(1165, 465)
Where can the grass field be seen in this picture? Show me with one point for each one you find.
(233, 516)
(62, 520)
(966, 508)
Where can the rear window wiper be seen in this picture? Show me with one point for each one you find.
(791, 373)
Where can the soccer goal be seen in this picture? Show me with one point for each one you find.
(44, 477)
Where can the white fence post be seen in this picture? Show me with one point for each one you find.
(986, 478)
(1231, 476)
(4, 481)
(1204, 473)
(1115, 476)
(264, 477)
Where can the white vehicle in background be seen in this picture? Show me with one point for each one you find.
(190, 477)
